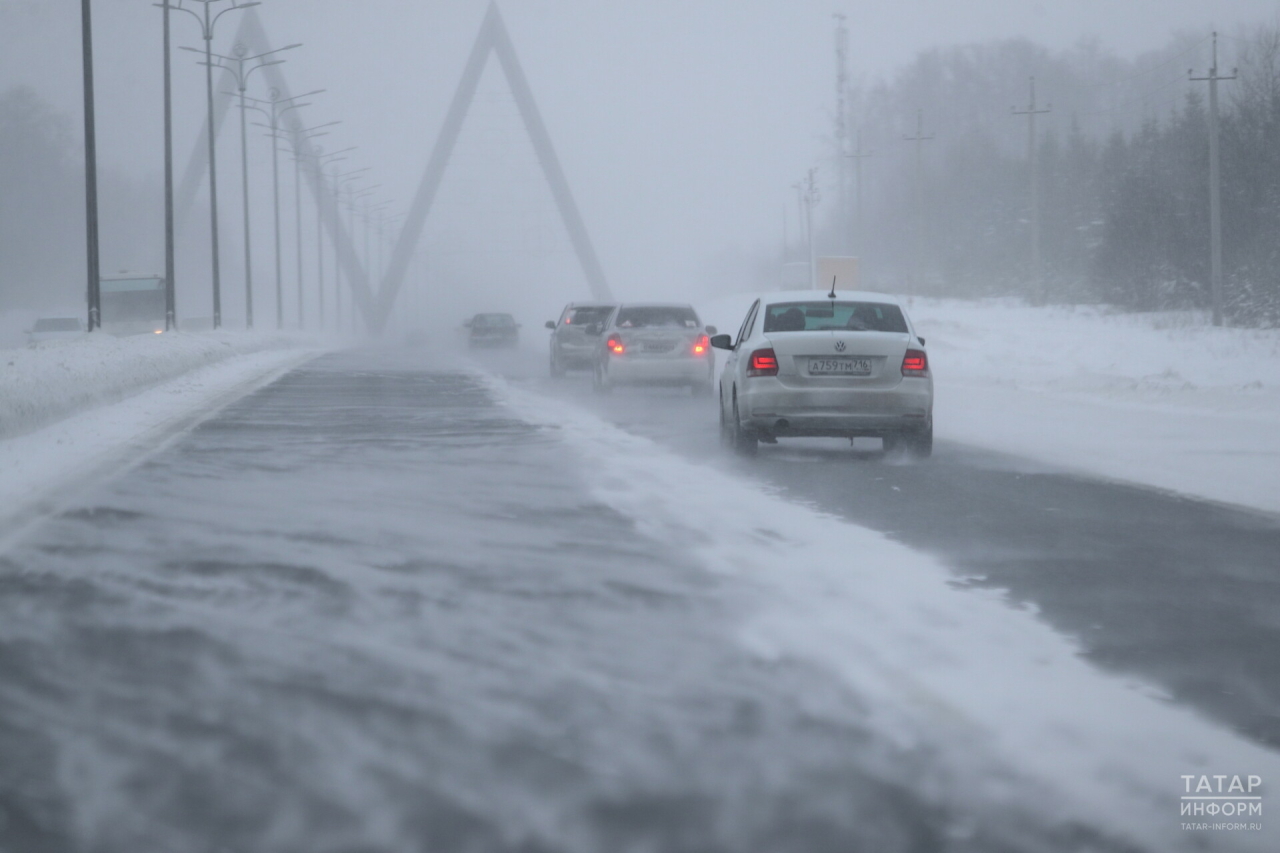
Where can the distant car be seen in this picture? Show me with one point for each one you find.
(809, 363)
(654, 344)
(493, 330)
(571, 345)
(53, 328)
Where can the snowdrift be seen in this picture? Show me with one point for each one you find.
(45, 382)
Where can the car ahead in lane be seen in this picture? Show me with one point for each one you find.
(654, 344)
(571, 345)
(493, 330)
(810, 363)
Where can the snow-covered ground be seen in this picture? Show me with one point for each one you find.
(70, 410)
(1012, 713)
(45, 382)
(1163, 400)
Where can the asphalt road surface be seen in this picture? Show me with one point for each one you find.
(366, 608)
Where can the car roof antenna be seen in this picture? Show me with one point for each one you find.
(832, 294)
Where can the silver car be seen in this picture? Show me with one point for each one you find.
(655, 344)
(810, 363)
(575, 336)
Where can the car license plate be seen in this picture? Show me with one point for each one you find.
(658, 347)
(839, 367)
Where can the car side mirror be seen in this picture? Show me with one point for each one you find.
(921, 340)
(711, 330)
(551, 324)
(722, 341)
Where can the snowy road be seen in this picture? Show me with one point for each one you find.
(1150, 583)
(374, 607)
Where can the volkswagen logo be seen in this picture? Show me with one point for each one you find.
(839, 346)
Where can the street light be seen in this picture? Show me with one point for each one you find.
(276, 108)
(236, 65)
(207, 25)
(300, 136)
(352, 198)
(338, 180)
(321, 160)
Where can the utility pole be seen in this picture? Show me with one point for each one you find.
(807, 192)
(919, 139)
(857, 157)
(842, 52)
(94, 291)
(1037, 281)
(1215, 200)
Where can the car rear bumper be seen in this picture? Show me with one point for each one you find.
(773, 409)
(657, 371)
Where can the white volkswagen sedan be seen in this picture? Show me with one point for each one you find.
(809, 363)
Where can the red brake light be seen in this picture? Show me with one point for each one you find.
(764, 362)
(701, 345)
(915, 363)
(616, 346)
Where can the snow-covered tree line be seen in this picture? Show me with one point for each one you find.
(1124, 174)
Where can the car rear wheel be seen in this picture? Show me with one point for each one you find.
(745, 440)
(920, 444)
(915, 444)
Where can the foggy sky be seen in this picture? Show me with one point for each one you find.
(681, 125)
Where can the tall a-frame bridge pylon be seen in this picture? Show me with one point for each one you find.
(493, 39)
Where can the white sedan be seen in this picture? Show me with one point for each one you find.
(811, 363)
(654, 344)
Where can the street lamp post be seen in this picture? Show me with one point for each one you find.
(338, 180)
(300, 136)
(207, 24)
(274, 110)
(322, 160)
(170, 286)
(352, 209)
(94, 293)
(236, 65)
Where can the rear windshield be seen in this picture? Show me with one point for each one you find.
(493, 320)
(845, 316)
(57, 324)
(657, 317)
(592, 314)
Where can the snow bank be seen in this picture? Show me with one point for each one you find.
(1163, 400)
(42, 383)
(1009, 713)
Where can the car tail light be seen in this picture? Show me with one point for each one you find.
(915, 363)
(764, 362)
(616, 346)
(701, 345)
